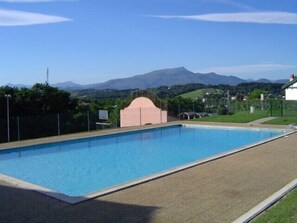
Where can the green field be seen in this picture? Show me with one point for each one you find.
(285, 211)
(282, 121)
(200, 93)
(239, 117)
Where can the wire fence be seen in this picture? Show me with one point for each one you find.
(271, 107)
(29, 127)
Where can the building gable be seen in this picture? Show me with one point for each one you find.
(290, 84)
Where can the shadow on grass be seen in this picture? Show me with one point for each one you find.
(20, 205)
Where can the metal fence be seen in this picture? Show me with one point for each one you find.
(29, 127)
(270, 107)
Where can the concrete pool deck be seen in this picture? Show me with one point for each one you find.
(217, 191)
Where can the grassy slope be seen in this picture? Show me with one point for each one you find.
(284, 211)
(199, 93)
(282, 121)
(239, 117)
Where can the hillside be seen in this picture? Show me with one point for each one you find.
(200, 92)
(69, 85)
(167, 77)
(164, 77)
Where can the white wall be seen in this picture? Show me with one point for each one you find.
(291, 93)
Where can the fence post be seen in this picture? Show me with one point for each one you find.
(58, 116)
(282, 108)
(18, 124)
(117, 117)
(270, 107)
(88, 115)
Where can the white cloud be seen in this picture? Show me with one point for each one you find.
(21, 18)
(245, 69)
(244, 17)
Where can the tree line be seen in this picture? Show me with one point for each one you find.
(44, 99)
(40, 99)
(167, 92)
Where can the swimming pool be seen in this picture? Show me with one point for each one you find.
(80, 168)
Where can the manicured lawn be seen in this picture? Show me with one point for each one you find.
(239, 117)
(285, 211)
(282, 121)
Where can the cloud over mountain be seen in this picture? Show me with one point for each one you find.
(21, 18)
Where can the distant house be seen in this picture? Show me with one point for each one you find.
(291, 88)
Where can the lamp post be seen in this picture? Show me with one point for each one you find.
(7, 103)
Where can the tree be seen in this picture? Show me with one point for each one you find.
(40, 99)
(256, 94)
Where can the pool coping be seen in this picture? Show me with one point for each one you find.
(79, 199)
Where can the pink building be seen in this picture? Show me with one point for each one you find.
(142, 111)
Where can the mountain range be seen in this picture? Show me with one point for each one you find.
(164, 77)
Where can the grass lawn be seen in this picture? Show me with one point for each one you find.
(285, 211)
(239, 117)
(282, 121)
(199, 93)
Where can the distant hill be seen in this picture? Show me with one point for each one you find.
(19, 85)
(263, 80)
(154, 79)
(167, 77)
(281, 81)
(69, 85)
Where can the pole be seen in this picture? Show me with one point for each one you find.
(8, 125)
(116, 112)
(282, 108)
(7, 105)
(270, 107)
(88, 115)
(18, 123)
(58, 116)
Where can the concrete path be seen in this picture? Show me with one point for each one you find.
(218, 191)
(260, 121)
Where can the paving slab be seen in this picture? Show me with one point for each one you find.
(262, 120)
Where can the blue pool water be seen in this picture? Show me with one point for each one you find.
(79, 167)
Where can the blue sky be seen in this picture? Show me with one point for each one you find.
(91, 41)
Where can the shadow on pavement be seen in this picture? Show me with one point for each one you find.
(20, 205)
